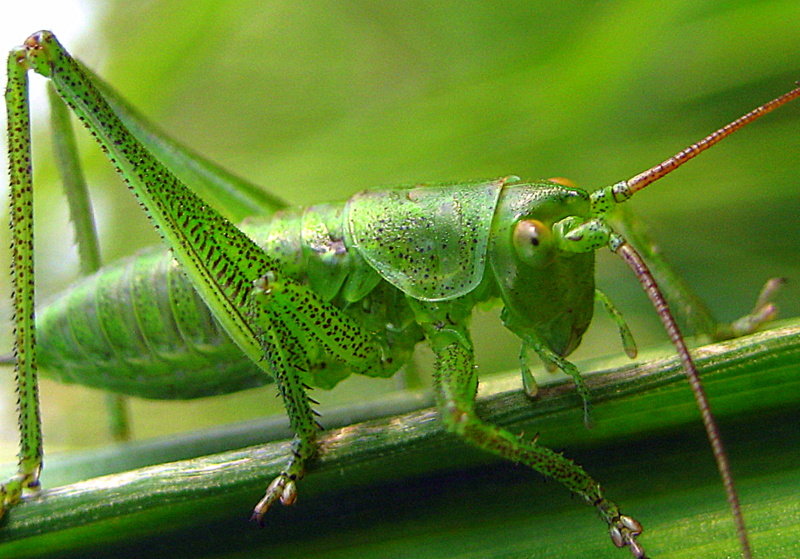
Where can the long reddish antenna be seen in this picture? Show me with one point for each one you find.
(650, 287)
(653, 174)
(602, 201)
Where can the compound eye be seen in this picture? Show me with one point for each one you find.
(530, 237)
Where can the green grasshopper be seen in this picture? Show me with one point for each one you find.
(313, 295)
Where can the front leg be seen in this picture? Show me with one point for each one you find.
(456, 383)
(554, 361)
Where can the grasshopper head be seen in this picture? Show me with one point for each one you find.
(548, 292)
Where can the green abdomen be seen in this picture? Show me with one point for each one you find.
(138, 327)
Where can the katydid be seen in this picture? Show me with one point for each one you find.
(329, 290)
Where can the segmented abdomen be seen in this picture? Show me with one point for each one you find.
(138, 327)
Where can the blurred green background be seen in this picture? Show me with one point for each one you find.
(318, 100)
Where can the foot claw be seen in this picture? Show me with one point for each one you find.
(623, 533)
(282, 488)
(764, 312)
(289, 493)
(12, 490)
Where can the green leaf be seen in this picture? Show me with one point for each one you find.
(399, 486)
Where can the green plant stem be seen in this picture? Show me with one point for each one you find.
(641, 414)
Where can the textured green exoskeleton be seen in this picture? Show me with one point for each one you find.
(315, 294)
